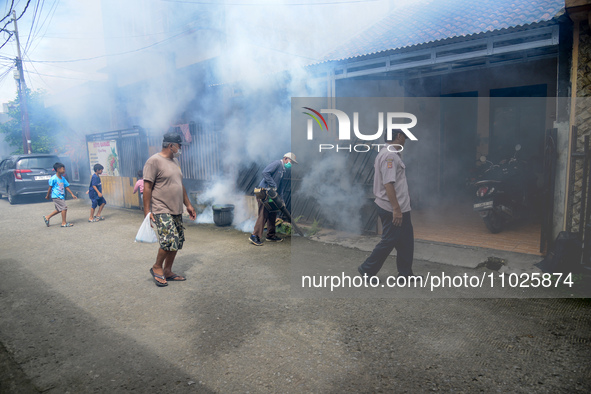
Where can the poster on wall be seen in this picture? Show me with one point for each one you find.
(105, 153)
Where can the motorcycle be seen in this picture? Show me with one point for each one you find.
(475, 174)
(503, 195)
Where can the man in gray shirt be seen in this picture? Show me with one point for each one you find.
(164, 196)
(393, 205)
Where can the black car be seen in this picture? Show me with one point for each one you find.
(26, 175)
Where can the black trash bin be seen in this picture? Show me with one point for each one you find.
(223, 215)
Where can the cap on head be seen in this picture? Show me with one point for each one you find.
(173, 138)
(291, 156)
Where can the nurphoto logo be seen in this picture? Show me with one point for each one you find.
(345, 129)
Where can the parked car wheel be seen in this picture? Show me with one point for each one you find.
(11, 198)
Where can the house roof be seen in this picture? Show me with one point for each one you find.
(428, 21)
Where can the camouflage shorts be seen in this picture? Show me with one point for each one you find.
(171, 234)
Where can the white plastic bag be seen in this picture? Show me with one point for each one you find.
(146, 232)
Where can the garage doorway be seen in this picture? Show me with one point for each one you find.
(517, 116)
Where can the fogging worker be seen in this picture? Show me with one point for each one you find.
(164, 196)
(272, 176)
(393, 205)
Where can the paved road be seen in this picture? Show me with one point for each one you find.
(79, 313)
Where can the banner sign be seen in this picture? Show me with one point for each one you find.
(104, 153)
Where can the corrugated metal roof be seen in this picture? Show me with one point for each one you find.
(434, 20)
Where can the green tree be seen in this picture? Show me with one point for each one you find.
(44, 125)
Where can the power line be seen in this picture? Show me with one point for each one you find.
(57, 66)
(114, 54)
(110, 38)
(9, 11)
(7, 23)
(102, 37)
(37, 10)
(3, 76)
(64, 68)
(49, 16)
(8, 39)
(8, 68)
(37, 72)
(59, 76)
(21, 15)
(5, 73)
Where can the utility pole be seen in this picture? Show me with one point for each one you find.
(22, 92)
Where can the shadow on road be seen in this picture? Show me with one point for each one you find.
(61, 347)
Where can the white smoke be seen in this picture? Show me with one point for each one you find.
(206, 216)
(224, 192)
(339, 199)
(232, 65)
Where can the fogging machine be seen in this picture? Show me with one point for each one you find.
(274, 203)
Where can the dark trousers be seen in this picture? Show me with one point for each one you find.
(399, 237)
(265, 217)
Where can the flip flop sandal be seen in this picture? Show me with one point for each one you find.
(93, 220)
(68, 225)
(99, 218)
(154, 275)
(46, 221)
(175, 278)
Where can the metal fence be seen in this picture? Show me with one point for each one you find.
(201, 157)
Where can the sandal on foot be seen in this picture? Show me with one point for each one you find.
(175, 278)
(93, 220)
(46, 221)
(99, 218)
(155, 275)
(68, 225)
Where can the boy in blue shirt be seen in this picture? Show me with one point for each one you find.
(95, 192)
(57, 191)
